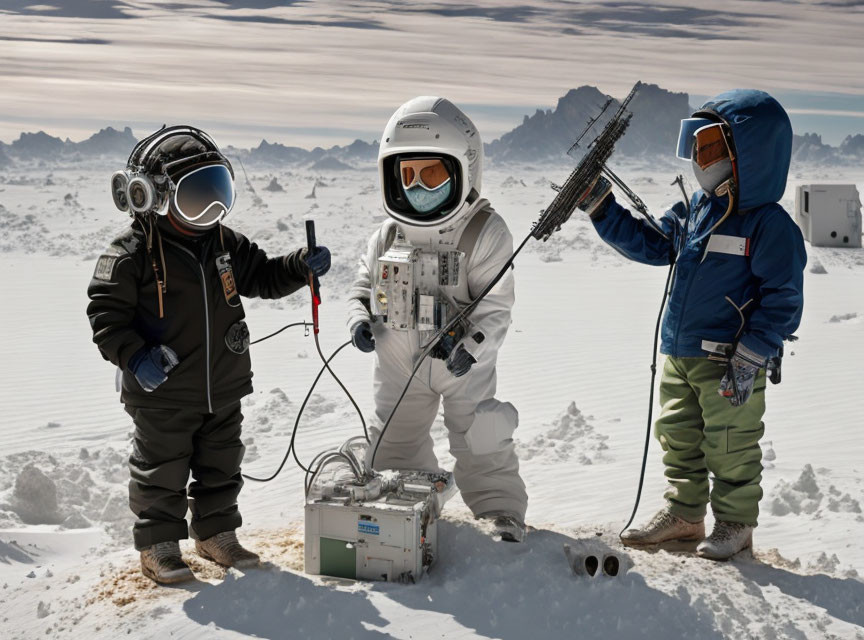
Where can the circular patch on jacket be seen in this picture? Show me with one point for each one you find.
(237, 338)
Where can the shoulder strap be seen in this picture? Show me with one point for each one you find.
(469, 237)
(386, 236)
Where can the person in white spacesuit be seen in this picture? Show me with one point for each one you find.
(442, 245)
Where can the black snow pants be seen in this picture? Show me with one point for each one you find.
(168, 444)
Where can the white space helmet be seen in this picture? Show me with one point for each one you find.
(428, 126)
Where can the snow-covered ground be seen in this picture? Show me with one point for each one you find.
(576, 366)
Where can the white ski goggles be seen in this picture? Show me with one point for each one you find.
(429, 173)
(204, 196)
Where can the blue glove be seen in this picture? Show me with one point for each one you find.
(460, 361)
(741, 371)
(151, 366)
(362, 338)
(318, 262)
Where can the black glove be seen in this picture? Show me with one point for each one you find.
(151, 366)
(460, 361)
(445, 345)
(318, 262)
(362, 338)
(741, 372)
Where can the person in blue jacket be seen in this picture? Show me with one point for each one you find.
(736, 295)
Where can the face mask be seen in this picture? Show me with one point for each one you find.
(715, 175)
(426, 200)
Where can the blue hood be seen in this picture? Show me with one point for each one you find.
(763, 142)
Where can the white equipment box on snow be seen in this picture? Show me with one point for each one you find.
(829, 214)
(385, 529)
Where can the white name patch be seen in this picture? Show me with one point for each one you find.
(731, 245)
(718, 348)
(105, 268)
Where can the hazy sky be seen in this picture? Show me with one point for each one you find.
(328, 71)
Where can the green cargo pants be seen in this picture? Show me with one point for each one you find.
(699, 432)
(168, 445)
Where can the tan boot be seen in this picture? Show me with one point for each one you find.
(224, 549)
(162, 563)
(663, 529)
(727, 539)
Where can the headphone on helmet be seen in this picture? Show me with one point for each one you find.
(137, 188)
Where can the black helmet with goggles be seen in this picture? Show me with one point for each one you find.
(177, 171)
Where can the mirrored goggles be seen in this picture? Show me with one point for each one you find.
(204, 196)
(711, 146)
(686, 136)
(429, 173)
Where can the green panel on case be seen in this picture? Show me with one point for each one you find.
(338, 559)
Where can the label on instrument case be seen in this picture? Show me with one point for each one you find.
(368, 527)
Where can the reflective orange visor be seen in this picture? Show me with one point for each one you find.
(430, 173)
(711, 146)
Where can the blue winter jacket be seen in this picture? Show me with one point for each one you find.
(754, 260)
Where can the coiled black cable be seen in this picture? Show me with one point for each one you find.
(325, 367)
(276, 333)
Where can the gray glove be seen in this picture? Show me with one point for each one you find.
(741, 371)
(460, 361)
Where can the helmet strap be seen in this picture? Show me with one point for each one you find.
(160, 277)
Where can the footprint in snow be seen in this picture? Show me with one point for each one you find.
(569, 436)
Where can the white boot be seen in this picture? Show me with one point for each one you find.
(727, 539)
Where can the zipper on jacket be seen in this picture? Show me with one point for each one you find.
(682, 314)
(206, 321)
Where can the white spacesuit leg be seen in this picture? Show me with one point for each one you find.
(408, 443)
(481, 440)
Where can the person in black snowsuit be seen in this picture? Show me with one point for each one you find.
(165, 309)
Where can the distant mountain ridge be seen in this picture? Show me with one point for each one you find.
(111, 145)
(547, 135)
(544, 136)
(810, 148)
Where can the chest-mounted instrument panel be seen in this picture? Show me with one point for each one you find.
(409, 289)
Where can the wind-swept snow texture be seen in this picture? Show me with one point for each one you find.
(575, 364)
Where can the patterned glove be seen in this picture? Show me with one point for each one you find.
(362, 338)
(741, 372)
(460, 361)
(596, 195)
(151, 366)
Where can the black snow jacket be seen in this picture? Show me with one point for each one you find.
(124, 312)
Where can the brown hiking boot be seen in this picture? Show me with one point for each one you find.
(162, 563)
(224, 549)
(664, 528)
(727, 539)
